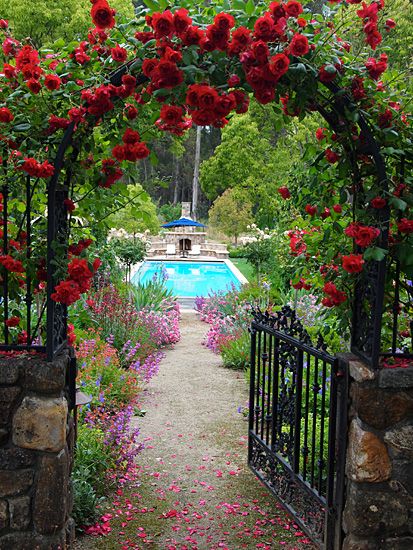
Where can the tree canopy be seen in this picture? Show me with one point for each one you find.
(45, 22)
(231, 213)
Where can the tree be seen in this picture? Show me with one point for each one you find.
(45, 22)
(195, 182)
(137, 212)
(259, 252)
(130, 252)
(257, 152)
(169, 212)
(231, 213)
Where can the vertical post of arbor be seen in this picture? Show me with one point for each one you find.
(37, 389)
(376, 475)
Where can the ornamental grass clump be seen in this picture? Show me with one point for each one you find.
(153, 294)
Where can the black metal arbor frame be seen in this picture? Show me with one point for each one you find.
(369, 288)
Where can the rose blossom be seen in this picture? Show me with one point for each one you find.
(353, 263)
(405, 226)
(299, 45)
(102, 15)
(284, 192)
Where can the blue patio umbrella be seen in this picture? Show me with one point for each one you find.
(183, 222)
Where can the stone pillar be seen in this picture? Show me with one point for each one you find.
(379, 466)
(186, 210)
(36, 453)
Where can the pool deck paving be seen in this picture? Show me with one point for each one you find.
(195, 489)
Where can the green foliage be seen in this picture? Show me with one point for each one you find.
(259, 253)
(93, 459)
(85, 499)
(242, 155)
(236, 353)
(129, 251)
(235, 251)
(169, 212)
(231, 213)
(257, 152)
(61, 20)
(137, 212)
(151, 295)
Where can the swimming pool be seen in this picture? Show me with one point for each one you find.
(190, 279)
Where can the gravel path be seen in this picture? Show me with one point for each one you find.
(196, 491)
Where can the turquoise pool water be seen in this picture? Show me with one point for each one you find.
(190, 278)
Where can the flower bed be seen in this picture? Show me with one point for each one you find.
(116, 358)
(229, 317)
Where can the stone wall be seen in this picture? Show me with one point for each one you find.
(36, 454)
(378, 512)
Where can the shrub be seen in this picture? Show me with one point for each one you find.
(153, 294)
(236, 251)
(129, 251)
(236, 352)
(169, 212)
(85, 500)
(119, 321)
(101, 375)
(92, 461)
(93, 456)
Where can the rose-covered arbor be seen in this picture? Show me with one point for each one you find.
(180, 70)
(74, 118)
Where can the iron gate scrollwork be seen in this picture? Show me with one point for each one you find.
(298, 423)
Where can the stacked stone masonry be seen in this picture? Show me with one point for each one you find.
(378, 512)
(36, 454)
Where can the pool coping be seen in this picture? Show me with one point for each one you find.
(235, 271)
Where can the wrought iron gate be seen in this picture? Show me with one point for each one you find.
(298, 423)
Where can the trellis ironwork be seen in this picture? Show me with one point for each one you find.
(382, 288)
(369, 301)
(298, 423)
(55, 235)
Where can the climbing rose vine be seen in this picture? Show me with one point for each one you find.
(129, 81)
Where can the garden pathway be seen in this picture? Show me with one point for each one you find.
(196, 491)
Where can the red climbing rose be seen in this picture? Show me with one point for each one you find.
(66, 292)
(378, 202)
(119, 54)
(405, 226)
(13, 321)
(6, 115)
(293, 8)
(284, 192)
(52, 82)
(102, 15)
(353, 263)
(299, 45)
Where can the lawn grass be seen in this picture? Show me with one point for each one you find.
(246, 269)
